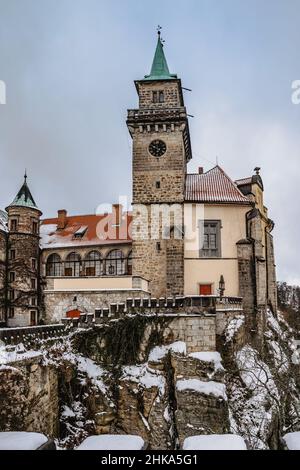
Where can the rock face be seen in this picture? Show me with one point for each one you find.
(145, 376)
(29, 398)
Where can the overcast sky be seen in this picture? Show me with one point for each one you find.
(69, 67)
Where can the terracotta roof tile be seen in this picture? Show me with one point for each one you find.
(214, 186)
(98, 230)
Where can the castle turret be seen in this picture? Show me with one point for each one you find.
(24, 294)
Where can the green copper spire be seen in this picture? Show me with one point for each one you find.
(160, 69)
(24, 197)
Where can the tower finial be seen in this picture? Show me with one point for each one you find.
(159, 28)
(25, 176)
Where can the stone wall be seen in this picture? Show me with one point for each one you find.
(57, 304)
(271, 272)
(29, 398)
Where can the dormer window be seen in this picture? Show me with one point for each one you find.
(158, 97)
(80, 232)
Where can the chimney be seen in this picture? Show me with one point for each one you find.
(117, 211)
(200, 170)
(62, 219)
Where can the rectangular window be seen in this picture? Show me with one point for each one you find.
(34, 227)
(33, 284)
(12, 276)
(14, 225)
(12, 254)
(158, 97)
(32, 318)
(33, 301)
(11, 312)
(161, 97)
(12, 294)
(33, 264)
(210, 238)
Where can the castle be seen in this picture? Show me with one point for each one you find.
(189, 235)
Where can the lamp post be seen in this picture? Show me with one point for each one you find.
(221, 286)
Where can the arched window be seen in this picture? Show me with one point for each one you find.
(92, 264)
(129, 264)
(115, 263)
(54, 266)
(72, 265)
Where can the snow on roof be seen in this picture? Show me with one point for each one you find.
(21, 440)
(93, 230)
(112, 442)
(215, 442)
(216, 389)
(292, 440)
(214, 186)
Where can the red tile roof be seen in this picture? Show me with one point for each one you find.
(100, 230)
(214, 186)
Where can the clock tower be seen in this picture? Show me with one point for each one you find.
(161, 150)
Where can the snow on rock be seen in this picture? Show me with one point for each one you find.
(215, 442)
(159, 352)
(233, 326)
(255, 374)
(21, 440)
(216, 389)
(208, 356)
(292, 440)
(144, 376)
(18, 353)
(254, 402)
(112, 442)
(273, 322)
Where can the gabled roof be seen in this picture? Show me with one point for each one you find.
(214, 186)
(24, 197)
(93, 228)
(160, 69)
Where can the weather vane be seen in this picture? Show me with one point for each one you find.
(159, 28)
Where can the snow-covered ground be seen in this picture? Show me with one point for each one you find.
(215, 442)
(21, 440)
(292, 440)
(112, 442)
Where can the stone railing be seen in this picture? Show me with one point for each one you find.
(34, 334)
(163, 306)
(194, 305)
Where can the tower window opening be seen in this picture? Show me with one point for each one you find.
(14, 225)
(158, 246)
(161, 97)
(157, 184)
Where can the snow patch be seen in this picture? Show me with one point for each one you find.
(112, 442)
(215, 442)
(216, 389)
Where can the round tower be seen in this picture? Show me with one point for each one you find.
(23, 251)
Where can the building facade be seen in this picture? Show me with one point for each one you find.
(197, 234)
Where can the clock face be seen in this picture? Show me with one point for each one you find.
(157, 148)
